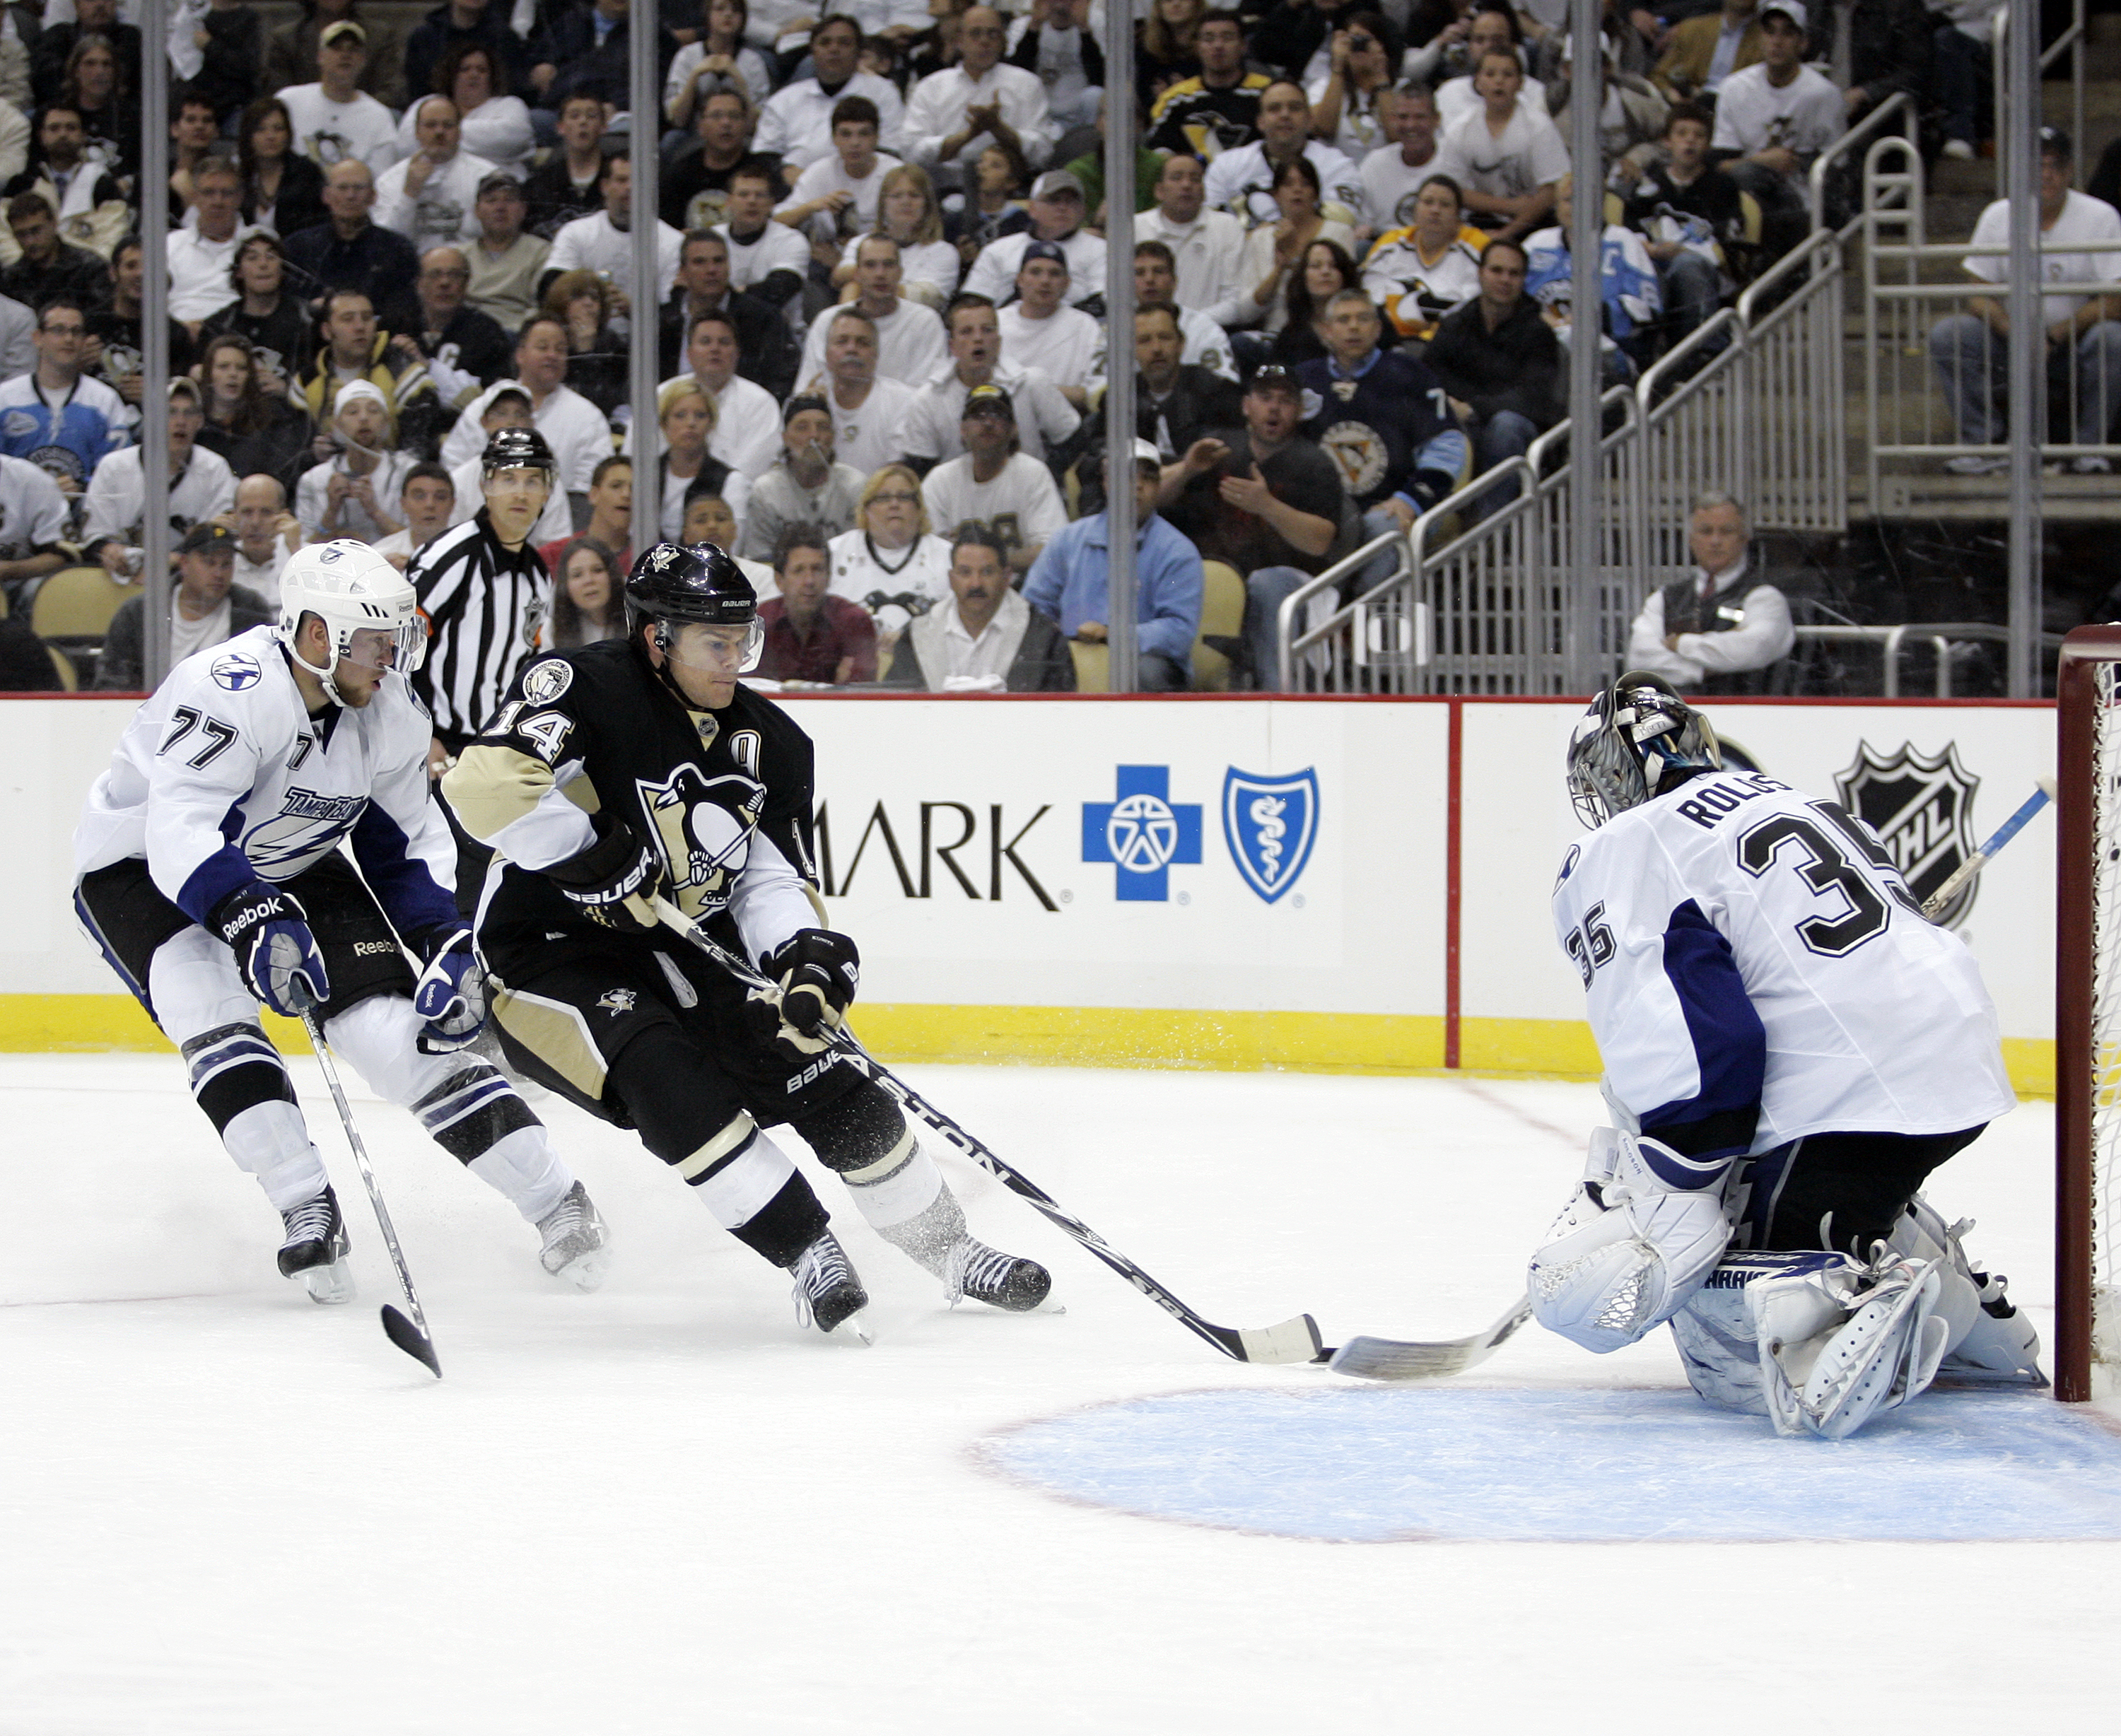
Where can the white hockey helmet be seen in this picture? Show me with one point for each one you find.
(366, 604)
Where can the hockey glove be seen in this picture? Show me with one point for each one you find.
(269, 933)
(819, 972)
(450, 994)
(1431, 485)
(613, 881)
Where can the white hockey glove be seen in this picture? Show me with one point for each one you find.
(451, 995)
(1644, 1228)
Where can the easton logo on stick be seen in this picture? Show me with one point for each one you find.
(1921, 806)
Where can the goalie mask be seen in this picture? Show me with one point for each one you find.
(368, 609)
(1639, 739)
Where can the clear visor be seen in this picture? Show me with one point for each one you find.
(402, 647)
(720, 653)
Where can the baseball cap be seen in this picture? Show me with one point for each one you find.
(208, 538)
(988, 401)
(331, 33)
(355, 391)
(1043, 251)
(2056, 142)
(1056, 181)
(521, 394)
(1275, 378)
(1792, 10)
(497, 177)
(1145, 452)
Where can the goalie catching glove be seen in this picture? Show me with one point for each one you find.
(450, 994)
(614, 880)
(269, 931)
(818, 971)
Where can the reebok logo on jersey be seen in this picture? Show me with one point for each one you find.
(370, 949)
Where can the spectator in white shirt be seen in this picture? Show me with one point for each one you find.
(1491, 30)
(1348, 104)
(718, 60)
(911, 345)
(1242, 181)
(1505, 158)
(431, 197)
(1207, 247)
(266, 534)
(958, 112)
(1038, 332)
(354, 494)
(1772, 120)
(334, 119)
(869, 413)
(891, 552)
(1057, 211)
(1204, 343)
(768, 259)
(1393, 174)
(1067, 56)
(795, 123)
(746, 434)
(836, 198)
(573, 426)
(1724, 622)
(427, 500)
(908, 212)
(201, 486)
(202, 257)
(993, 484)
(1043, 417)
(604, 243)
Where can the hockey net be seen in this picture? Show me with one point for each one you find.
(2088, 1015)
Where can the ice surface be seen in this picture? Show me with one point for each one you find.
(662, 1508)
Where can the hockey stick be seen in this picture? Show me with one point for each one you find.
(1979, 859)
(410, 1336)
(1292, 1340)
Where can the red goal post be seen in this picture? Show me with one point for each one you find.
(2088, 1011)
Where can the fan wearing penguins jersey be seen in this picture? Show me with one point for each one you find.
(639, 769)
(211, 873)
(1790, 1049)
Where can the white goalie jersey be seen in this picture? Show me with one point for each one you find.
(222, 777)
(1741, 944)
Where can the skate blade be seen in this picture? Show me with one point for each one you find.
(329, 1285)
(586, 1271)
(857, 1323)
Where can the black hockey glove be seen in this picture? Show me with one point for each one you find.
(1430, 486)
(450, 994)
(613, 880)
(269, 931)
(819, 972)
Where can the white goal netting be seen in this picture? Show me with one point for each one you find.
(2105, 941)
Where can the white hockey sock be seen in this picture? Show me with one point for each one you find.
(270, 1141)
(736, 1188)
(523, 1168)
(906, 1201)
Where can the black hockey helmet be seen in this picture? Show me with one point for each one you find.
(1639, 739)
(672, 583)
(517, 449)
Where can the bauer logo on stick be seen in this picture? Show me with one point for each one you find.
(1921, 806)
(1270, 824)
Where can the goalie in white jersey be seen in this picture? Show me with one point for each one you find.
(1790, 1049)
(210, 872)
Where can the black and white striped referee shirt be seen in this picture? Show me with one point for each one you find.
(484, 606)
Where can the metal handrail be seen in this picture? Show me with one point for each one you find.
(1329, 578)
(1842, 147)
(1938, 635)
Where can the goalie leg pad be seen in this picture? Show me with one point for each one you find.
(1714, 1331)
(1990, 1340)
(1836, 1348)
(1629, 1247)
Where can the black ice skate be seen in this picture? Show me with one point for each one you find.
(826, 1290)
(316, 1247)
(999, 1280)
(575, 1240)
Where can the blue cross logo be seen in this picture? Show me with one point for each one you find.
(1142, 834)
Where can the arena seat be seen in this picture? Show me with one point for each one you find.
(1222, 617)
(77, 603)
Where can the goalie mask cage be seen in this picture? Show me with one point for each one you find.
(2088, 1013)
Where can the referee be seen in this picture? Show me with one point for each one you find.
(485, 593)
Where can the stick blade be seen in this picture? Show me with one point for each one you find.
(1392, 1359)
(1292, 1340)
(410, 1339)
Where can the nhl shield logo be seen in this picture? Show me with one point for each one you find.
(1270, 824)
(1921, 806)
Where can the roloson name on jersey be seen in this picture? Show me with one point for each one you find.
(1707, 804)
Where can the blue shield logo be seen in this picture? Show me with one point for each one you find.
(1270, 824)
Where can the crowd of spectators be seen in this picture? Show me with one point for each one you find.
(878, 305)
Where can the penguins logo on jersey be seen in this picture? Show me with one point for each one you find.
(619, 1000)
(236, 671)
(1921, 806)
(704, 826)
(1359, 451)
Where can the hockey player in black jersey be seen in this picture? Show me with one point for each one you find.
(640, 768)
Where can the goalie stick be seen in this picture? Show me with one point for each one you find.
(1393, 1359)
(412, 1335)
(1292, 1340)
